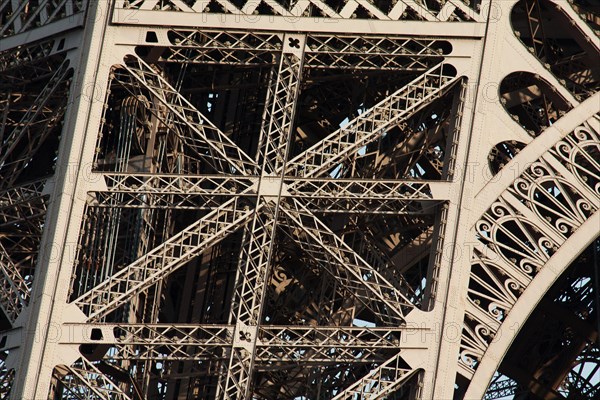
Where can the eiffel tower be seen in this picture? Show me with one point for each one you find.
(299, 199)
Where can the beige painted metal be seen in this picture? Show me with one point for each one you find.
(48, 331)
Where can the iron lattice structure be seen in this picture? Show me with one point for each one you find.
(311, 199)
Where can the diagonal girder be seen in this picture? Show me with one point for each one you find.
(159, 262)
(20, 144)
(380, 381)
(15, 290)
(22, 203)
(84, 380)
(7, 376)
(27, 14)
(385, 266)
(409, 254)
(326, 155)
(224, 155)
(340, 260)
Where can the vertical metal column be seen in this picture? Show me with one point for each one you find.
(259, 235)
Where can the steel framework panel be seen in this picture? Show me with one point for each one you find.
(270, 199)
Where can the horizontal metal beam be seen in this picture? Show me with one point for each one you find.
(126, 16)
(139, 190)
(282, 344)
(145, 190)
(49, 30)
(372, 52)
(324, 345)
(339, 51)
(366, 196)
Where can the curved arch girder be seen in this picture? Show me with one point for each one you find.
(526, 239)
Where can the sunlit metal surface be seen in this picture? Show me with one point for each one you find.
(353, 199)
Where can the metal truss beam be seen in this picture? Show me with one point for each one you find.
(364, 195)
(15, 289)
(380, 381)
(145, 190)
(314, 8)
(372, 52)
(163, 259)
(22, 142)
(206, 140)
(501, 387)
(275, 344)
(84, 380)
(166, 342)
(340, 52)
(338, 259)
(25, 15)
(322, 158)
(223, 47)
(325, 345)
(468, 30)
(259, 236)
(198, 192)
(22, 203)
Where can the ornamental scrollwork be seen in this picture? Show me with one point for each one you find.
(515, 238)
(580, 153)
(523, 229)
